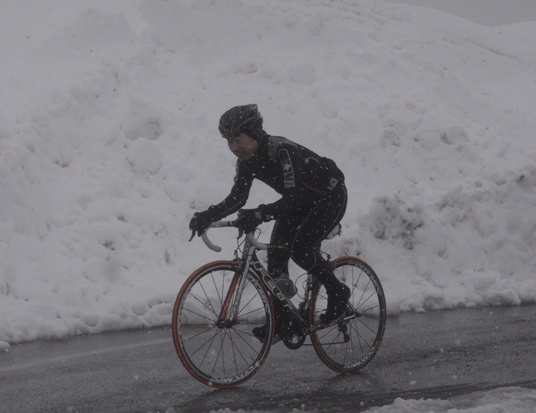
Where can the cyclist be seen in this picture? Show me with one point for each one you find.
(313, 201)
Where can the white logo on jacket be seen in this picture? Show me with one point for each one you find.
(288, 173)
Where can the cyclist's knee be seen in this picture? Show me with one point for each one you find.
(305, 259)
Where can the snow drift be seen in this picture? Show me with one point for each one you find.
(109, 143)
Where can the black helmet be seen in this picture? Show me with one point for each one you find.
(239, 119)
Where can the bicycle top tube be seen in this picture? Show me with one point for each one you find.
(224, 224)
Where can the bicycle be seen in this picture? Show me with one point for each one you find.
(222, 301)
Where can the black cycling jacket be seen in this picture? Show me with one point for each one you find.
(297, 173)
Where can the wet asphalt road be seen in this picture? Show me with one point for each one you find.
(429, 355)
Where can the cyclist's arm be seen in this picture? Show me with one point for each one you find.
(238, 196)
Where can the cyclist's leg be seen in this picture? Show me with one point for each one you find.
(312, 230)
(315, 225)
(282, 235)
(278, 258)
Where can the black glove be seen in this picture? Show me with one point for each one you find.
(249, 219)
(201, 221)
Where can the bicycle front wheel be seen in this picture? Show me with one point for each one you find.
(348, 346)
(212, 324)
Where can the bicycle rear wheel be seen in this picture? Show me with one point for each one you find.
(215, 344)
(348, 346)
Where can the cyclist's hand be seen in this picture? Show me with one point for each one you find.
(200, 222)
(249, 219)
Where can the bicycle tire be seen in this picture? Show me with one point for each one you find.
(364, 323)
(217, 354)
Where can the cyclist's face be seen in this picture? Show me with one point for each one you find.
(243, 146)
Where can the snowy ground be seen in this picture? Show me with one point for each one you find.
(109, 143)
(511, 400)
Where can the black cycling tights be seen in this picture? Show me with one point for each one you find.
(302, 232)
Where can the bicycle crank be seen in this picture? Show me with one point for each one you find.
(292, 340)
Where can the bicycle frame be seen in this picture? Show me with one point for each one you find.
(224, 304)
(247, 261)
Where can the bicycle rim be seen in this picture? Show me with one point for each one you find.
(221, 353)
(350, 345)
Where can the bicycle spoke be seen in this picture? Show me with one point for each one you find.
(360, 339)
(199, 334)
(210, 341)
(236, 348)
(209, 301)
(258, 310)
(362, 302)
(198, 314)
(362, 322)
(218, 356)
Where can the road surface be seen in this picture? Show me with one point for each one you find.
(430, 355)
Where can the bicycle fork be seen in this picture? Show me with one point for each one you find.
(230, 307)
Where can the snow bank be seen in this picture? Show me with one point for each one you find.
(109, 143)
(508, 399)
